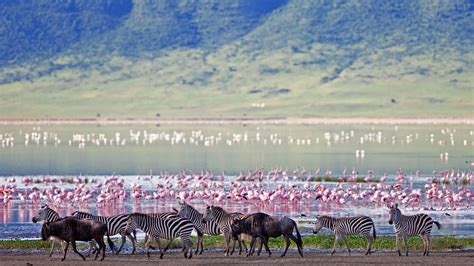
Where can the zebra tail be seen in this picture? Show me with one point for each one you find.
(437, 224)
(298, 235)
(375, 234)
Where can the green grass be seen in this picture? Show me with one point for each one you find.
(176, 85)
(313, 241)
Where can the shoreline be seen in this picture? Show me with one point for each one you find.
(240, 121)
(218, 258)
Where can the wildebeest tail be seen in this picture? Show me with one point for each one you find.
(437, 224)
(298, 235)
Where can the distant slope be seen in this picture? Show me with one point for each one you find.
(399, 58)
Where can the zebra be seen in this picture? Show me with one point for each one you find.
(412, 225)
(49, 215)
(224, 220)
(161, 215)
(116, 224)
(157, 228)
(342, 227)
(208, 228)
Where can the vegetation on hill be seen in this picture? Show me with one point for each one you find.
(236, 58)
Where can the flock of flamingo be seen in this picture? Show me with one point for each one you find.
(445, 137)
(447, 190)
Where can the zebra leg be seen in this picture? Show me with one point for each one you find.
(425, 246)
(202, 245)
(52, 248)
(287, 240)
(347, 244)
(233, 246)
(227, 244)
(147, 247)
(169, 244)
(121, 245)
(428, 245)
(405, 240)
(370, 240)
(397, 239)
(65, 251)
(260, 247)
(91, 247)
(198, 241)
(334, 245)
(132, 239)
(159, 247)
(189, 246)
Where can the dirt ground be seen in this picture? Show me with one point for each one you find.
(22, 257)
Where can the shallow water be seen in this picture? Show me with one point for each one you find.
(16, 215)
(233, 148)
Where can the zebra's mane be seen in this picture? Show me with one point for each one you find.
(83, 213)
(192, 209)
(327, 221)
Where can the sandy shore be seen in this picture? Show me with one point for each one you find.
(239, 121)
(217, 258)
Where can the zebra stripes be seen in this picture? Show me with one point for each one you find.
(116, 224)
(412, 225)
(342, 227)
(208, 228)
(157, 228)
(224, 220)
(161, 215)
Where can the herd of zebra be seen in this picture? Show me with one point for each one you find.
(235, 227)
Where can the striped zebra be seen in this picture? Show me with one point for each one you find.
(157, 228)
(161, 215)
(209, 228)
(49, 215)
(224, 220)
(342, 227)
(412, 225)
(116, 224)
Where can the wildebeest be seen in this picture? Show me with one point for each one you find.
(264, 226)
(71, 229)
(47, 214)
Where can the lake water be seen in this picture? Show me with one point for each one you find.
(135, 152)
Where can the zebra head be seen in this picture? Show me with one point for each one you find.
(318, 225)
(395, 213)
(184, 210)
(210, 214)
(42, 214)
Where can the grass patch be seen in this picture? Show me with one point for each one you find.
(312, 241)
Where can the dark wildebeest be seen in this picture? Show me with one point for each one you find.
(264, 226)
(71, 229)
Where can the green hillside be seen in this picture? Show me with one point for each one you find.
(238, 58)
